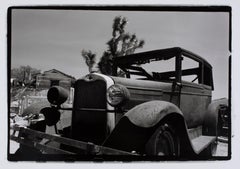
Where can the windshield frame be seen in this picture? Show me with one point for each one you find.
(131, 64)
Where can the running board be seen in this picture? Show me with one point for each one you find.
(202, 142)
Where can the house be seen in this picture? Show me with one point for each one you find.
(54, 77)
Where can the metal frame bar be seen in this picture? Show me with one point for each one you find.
(93, 109)
(90, 148)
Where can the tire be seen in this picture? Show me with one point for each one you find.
(164, 142)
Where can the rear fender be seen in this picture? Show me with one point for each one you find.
(211, 118)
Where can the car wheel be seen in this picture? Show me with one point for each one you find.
(164, 142)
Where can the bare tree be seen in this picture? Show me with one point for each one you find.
(119, 45)
(24, 74)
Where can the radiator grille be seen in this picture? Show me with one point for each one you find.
(90, 126)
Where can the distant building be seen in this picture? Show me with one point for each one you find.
(54, 77)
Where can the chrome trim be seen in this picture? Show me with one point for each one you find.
(110, 116)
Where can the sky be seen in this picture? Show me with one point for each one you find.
(47, 39)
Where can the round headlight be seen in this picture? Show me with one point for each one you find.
(117, 95)
(57, 95)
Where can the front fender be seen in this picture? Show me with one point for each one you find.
(150, 113)
(137, 126)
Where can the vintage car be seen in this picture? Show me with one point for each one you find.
(167, 111)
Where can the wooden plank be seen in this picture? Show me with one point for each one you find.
(44, 148)
(51, 150)
(62, 140)
(90, 148)
(111, 151)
